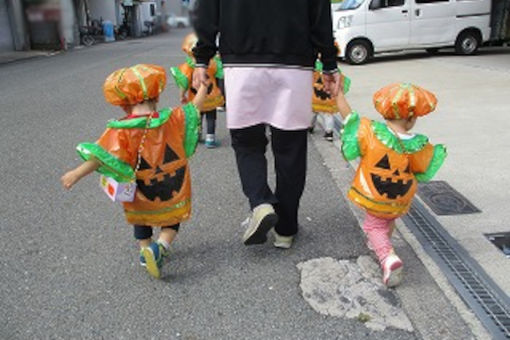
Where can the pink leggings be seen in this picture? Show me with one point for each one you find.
(378, 231)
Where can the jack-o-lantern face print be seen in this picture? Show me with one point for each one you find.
(392, 181)
(163, 181)
(318, 89)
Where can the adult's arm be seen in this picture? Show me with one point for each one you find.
(207, 13)
(321, 28)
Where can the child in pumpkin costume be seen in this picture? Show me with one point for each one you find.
(323, 103)
(183, 76)
(393, 160)
(157, 145)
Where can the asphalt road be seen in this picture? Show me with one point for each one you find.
(70, 268)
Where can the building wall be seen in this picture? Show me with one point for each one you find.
(68, 23)
(103, 9)
(6, 43)
(175, 7)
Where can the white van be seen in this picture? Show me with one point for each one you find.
(365, 27)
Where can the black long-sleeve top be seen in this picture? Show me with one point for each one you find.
(285, 33)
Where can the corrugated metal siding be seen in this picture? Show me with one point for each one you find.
(500, 20)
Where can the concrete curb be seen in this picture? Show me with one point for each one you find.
(9, 58)
(343, 172)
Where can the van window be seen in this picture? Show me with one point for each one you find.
(153, 10)
(350, 4)
(386, 3)
(429, 1)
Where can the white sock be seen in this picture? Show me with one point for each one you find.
(164, 243)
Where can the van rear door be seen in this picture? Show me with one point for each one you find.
(432, 22)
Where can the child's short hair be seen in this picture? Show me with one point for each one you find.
(134, 85)
(403, 101)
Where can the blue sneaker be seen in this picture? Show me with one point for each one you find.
(210, 142)
(151, 259)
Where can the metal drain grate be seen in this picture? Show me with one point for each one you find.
(479, 292)
(445, 200)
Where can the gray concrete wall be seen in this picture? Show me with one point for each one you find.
(103, 9)
(6, 43)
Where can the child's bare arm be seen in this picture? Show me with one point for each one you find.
(343, 106)
(182, 96)
(73, 176)
(200, 96)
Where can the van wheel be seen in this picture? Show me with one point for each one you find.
(358, 52)
(467, 43)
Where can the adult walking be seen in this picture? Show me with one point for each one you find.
(268, 48)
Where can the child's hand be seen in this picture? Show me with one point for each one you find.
(201, 94)
(199, 76)
(69, 179)
(73, 176)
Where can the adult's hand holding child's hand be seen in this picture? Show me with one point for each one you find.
(199, 77)
(330, 83)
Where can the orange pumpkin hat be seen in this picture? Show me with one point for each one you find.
(404, 100)
(133, 85)
(188, 43)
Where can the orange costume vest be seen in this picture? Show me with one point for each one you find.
(163, 194)
(390, 167)
(183, 76)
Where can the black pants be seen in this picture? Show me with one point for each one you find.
(210, 117)
(143, 232)
(289, 149)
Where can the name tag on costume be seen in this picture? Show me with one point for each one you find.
(118, 191)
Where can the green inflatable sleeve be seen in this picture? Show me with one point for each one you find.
(435, 164)
(180, 79)
(192, 127)
(350, 145)
(111, 166)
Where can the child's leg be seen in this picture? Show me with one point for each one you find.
(378, 231)
(167, 236)
(211, 122)
(328, 126)
(210, 138)
(328, 122)
(150, 254)
(143, 234)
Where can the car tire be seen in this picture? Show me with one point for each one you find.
(358, 52)
(467, 43)
(180, 25)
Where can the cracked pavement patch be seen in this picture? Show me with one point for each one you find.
(351, 289)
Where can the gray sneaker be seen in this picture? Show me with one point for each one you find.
(280, 241)
(258, 224)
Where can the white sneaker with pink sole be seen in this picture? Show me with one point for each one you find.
(392, 270)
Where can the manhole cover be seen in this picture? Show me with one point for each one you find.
(501, 241)
(444, 200)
